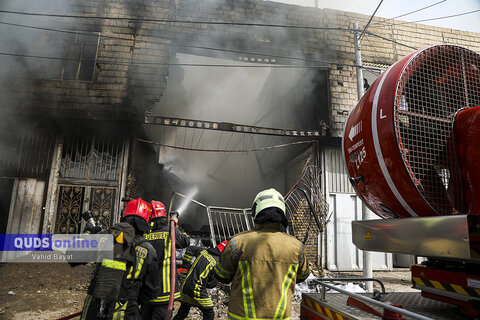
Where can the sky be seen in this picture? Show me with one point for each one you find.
(394, 8)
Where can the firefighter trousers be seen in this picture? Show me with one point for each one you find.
(154, 311)
(118, 311)
(208, 313)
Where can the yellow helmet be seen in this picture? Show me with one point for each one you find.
(267, 199)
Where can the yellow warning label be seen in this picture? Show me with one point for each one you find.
(422, 274)
(119, 239)
(368, 236)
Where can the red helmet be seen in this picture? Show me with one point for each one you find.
(221, 246)
(137, 207)
(158, 209)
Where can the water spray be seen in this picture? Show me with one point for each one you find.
(186, 200)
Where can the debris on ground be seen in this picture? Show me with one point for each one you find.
(46, 291)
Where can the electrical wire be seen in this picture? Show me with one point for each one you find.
(225, 150)
(409, 13)
(444, 17)
(426, 20)
(153, 42)
(165, 43)
(183, 45)
(373, 47)
(370, 20)
(170, 21)
(128, 63)
(256, 65)
(386, 39)
(224, 22)
(157, 42)
(253, 65)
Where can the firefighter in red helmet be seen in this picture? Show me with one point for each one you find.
(200, 276)
(159, 237)
(116, 285)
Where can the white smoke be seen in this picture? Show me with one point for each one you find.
(252, 96)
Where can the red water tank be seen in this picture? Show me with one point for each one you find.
(399, 143)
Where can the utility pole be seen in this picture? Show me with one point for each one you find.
(358, 61)
(367, 259)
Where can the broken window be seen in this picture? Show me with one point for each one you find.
(79, 52)
(48, 55)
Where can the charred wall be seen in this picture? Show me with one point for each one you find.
(112, 61)
(100, 65)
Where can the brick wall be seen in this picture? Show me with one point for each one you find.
(131, 71)
(377, 49)
(329, 39)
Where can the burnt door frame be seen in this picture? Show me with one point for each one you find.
(56, 182)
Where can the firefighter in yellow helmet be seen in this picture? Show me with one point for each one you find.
(263, 264)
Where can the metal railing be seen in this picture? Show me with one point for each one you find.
(352, 279)
(223, 222)
(368, 300)
(301, 210)
(226, 222)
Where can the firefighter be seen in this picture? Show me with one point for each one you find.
(159, 237)
(200, 276)
(114, 290)
(263, 264)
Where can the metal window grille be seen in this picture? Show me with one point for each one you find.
(26, 155)
(92, 158)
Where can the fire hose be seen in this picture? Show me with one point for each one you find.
(173, 266)
(73, 315)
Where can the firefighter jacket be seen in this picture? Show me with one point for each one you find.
(116, 284)
(160, 239)
(263, 264)
(200, 276)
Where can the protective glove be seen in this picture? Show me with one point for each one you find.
(89, 229)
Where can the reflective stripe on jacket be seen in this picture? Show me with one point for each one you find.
(160, 239)
(136, 276)
(263, 264)
(200, 276)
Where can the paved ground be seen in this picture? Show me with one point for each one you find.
(398, 280)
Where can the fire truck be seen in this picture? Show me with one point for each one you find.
(412, 149)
